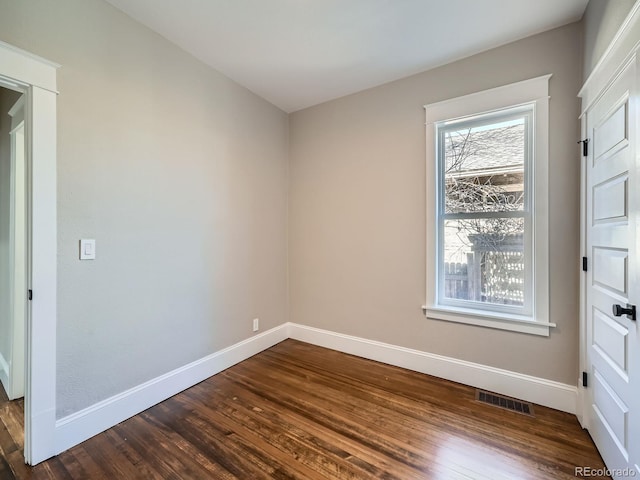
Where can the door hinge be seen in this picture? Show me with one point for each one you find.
(585, 377)
(30, 294)
(585, 146)
(585, 263)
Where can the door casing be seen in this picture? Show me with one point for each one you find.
(17, 251)
(35, 77)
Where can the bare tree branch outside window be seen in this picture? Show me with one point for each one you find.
(484, 172)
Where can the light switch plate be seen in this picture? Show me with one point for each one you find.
(87, 249)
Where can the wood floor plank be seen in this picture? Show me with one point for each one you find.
(108, 458)
(296, 411)
(143, 468)
(157, 451)
(244, 443)
(327, 439)
(515, 434)
(3, 395)
(53, 469)
(72, 464)
(346, 427)
(196, 441)
(288, 438)
(12, 418)
(5, 469)
(174, 432)
(389, 440)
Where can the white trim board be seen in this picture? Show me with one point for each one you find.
(36, 78)
(27, 68)
(525, 387)
(82, 425)
(622, 47)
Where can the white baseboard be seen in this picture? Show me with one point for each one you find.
(525, 387)
(4, 373)
(82, 425)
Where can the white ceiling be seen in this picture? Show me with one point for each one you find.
(298, 53)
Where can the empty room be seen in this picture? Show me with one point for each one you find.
(319, 239)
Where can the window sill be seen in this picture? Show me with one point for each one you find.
(501, 321)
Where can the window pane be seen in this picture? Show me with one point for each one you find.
(484, 167)
(483, 260)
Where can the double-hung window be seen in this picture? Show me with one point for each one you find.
(487, 234)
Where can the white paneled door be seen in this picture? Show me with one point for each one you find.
(612, 288)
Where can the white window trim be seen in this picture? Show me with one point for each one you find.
(533, 91)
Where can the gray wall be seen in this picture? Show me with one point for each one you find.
(7, 99)
(601, 21)
(357, 210)
(180, 175)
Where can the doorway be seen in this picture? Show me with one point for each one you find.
(13, 269)
(612, 347)
(35, 78)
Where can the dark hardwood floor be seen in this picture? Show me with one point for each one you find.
(304, 412)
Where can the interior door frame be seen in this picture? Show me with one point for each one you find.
(35, 77)
(17, 219)
(624, 46)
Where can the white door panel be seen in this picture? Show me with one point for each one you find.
(612, 133)
(610, 200)
(610, 270)
(613, 410)
(611, 340)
